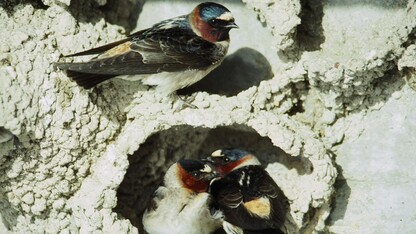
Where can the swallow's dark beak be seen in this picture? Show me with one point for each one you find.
(218, 177)
(210, 176)
(231, 25)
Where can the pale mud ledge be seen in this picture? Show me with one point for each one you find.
(310, 87)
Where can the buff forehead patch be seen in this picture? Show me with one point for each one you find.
(206, 169)
(217, 153)
(226, 16)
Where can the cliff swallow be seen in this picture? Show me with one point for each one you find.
(171, 55)
(181, 204)
(248, 197)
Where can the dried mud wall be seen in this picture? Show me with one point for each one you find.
(322, 91)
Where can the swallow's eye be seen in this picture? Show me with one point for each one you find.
(195, 174)
(215, 22)
(226, 159)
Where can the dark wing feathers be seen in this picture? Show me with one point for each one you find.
(124, 64)
(104, 48)
(100, 49)
(266, 185)
(87, 80)
(229, 195)
(181, 50)
(153, 51)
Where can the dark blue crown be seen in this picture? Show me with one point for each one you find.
(191, 165)
(211, 10)
(234, 154)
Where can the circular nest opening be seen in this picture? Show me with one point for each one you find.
(149, 163)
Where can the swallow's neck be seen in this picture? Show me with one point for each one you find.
(216, 35)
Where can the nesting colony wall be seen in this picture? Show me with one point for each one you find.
(305, 86)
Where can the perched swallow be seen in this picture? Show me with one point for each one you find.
(249, 198)
(181, 204)
(171, 55)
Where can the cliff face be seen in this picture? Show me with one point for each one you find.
(321, 92)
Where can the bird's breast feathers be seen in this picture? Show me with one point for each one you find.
(180, 212)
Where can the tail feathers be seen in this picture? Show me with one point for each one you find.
(87, 80)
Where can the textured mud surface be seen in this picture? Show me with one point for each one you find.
(301, 87)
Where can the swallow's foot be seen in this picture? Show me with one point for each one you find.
(182, 103)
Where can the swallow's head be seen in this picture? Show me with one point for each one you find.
(228, 159)
(193, 175)
(212, 21)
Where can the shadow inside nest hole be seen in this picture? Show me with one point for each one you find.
(239, 71)
(309, 34)
(149, 163)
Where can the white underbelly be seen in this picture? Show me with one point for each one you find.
(168, 82)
